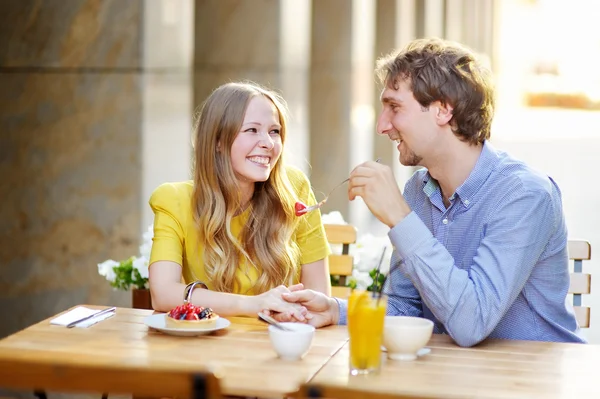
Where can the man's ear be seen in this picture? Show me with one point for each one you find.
(444, 113)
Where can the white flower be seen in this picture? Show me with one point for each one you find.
(106, 269)
(141, 264)
(367, 253)
(362, 279)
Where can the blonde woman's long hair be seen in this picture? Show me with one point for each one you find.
(265, 244)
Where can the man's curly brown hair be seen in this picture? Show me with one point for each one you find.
(444, 71)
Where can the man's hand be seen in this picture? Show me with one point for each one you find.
(272, 302)
(322, 310)
(375, 184)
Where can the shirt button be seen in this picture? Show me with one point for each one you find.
(466, 202)
(445, 221)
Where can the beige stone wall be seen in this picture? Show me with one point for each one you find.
(70, 115)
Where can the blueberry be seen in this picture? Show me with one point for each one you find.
(205, 313)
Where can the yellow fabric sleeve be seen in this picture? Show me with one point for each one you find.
(171, 206)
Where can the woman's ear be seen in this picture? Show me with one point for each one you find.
(218, 146)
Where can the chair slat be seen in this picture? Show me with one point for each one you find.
(340, 265)
(340, 233)
(580, 283)
(579, 249)
(340, 292)
(582, 314)
(334, 391)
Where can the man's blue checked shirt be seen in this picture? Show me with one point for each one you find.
(493, 264)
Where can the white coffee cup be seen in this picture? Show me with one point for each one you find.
(404, 336)
(294, 344)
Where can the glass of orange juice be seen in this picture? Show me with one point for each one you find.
(366, 313)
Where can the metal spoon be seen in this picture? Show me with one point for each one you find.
(272, 321)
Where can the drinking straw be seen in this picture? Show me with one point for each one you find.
(376, 279)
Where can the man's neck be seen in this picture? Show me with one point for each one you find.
(453, 167)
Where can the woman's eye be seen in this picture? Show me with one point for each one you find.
(275, 131)
(251, 130)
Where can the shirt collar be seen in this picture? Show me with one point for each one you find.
(483, 168)
(486, 163)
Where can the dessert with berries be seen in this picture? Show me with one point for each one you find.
(191, 316)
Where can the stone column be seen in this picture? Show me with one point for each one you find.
(478, 22)
(167, 95)
(341, 98)
(397, 22)
(385, 43)
(265, 41)
(235, 39)
(454, 20)
(70, 111)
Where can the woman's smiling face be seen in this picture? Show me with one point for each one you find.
(257, 147)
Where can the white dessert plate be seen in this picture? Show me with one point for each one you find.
(158, 322)
(421, 352)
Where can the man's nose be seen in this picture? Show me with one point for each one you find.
(383, 123)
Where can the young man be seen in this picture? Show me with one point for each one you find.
(480, 238)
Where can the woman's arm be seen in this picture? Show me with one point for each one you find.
(167, 289)
(315, 276)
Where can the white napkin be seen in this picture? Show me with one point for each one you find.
(79, 313)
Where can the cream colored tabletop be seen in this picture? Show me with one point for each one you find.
(106, 356)
(493, 369)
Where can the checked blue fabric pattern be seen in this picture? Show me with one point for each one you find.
(493, 264)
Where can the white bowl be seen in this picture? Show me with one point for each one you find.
(292, 345)
(403, 336)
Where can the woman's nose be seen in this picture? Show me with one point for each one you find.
(267, 142)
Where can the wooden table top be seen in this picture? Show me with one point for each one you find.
(493, 369)
(106, 356)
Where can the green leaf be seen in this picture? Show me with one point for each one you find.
(126, 277)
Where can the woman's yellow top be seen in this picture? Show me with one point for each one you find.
(176, 238)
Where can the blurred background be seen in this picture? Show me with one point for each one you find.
(97, 100)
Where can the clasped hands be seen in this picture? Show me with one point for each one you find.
(296, 304)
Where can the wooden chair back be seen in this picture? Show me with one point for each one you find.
(330, 391)
(341, 265)
(581, 283)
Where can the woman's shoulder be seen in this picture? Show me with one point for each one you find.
(297, 177)
(172, 195)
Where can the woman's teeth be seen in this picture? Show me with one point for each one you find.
(260, 160)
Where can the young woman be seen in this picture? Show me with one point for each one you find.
(233, 228)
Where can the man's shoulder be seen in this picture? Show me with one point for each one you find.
(518, 174)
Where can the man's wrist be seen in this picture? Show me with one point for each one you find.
(396, 217)
(334, 306)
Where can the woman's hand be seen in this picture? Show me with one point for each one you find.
(272, 303)
(323, 310)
